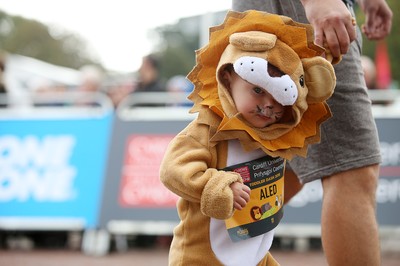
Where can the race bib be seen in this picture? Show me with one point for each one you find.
(264, 211)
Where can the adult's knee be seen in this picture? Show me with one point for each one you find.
(360, 182)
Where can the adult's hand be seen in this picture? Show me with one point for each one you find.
(333, 24)
(378, 18)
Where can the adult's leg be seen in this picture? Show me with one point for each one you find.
(292, 185)
(349, 228)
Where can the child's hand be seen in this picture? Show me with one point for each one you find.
(241, 195)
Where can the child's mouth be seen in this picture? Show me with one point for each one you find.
(265, 112)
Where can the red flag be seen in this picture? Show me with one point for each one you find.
(383, 70)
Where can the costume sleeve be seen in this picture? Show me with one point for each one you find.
(185, 170)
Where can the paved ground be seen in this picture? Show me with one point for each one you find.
(145, 257)
(59, 250)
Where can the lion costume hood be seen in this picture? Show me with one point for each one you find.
(250, 44)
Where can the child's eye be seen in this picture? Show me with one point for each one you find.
(258, 90)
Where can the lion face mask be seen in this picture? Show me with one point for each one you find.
(278, 55)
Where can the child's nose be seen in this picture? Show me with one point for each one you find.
(268, 111)
(269, 102)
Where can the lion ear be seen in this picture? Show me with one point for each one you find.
(253, 41)
(319, 78)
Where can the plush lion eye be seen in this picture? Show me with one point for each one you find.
(301, 81)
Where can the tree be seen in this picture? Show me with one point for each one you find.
(34, 39)
(178, 42)
(176, 51)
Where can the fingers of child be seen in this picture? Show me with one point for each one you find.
(246, 198)
(240, 203)
(246, 189)
(241, 195)
(237, 206)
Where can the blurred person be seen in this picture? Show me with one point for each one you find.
(369, 70)
(347, 160)
(117, 92)
(2, 70)
(149, 79)
(40, 85)
(3, 90)
(179, 84)
(91, 78)
(91, 81)
(46, 92)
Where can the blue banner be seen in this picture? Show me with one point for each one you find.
(53, 168)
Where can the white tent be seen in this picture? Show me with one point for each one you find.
(24, 74)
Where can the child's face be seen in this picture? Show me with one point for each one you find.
(256, 105)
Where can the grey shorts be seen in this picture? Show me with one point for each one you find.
(349, 139)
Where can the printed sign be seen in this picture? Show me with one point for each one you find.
(140, 184)
(264, 211)
(53, 168)
(37, 169)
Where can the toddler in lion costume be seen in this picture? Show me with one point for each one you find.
(260, 91)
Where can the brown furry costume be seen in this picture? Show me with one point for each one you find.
(191, 163)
